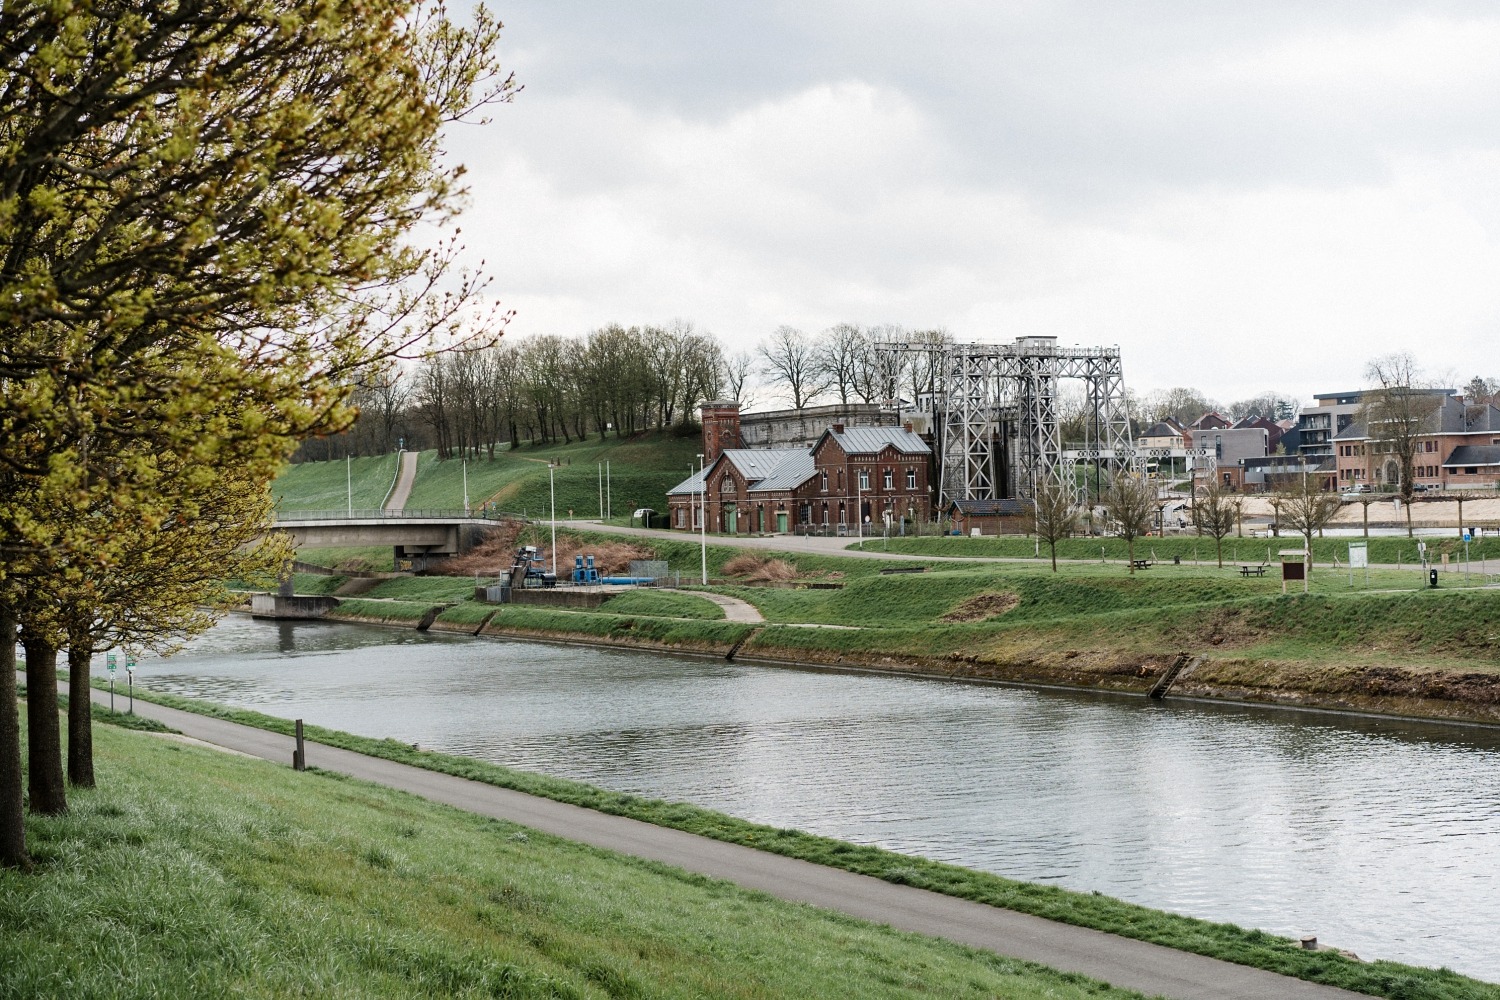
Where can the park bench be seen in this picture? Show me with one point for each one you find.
(1248, 571)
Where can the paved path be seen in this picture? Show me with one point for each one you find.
(404, 480)
(1120, 961)
(735, 610)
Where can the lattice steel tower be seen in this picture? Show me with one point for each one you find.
(995, 412)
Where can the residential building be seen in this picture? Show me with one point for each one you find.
(1458, 448)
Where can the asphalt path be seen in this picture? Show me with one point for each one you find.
(1149, 968)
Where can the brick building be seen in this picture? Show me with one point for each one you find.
(1458, 449)
(850, 475)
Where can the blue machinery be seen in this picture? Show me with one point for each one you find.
(584, 572)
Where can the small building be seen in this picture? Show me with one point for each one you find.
(990, 517)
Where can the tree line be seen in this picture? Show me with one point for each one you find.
(206, 214)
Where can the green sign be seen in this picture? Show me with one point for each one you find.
(109, 661)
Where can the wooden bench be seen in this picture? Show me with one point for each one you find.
(1140, 564)
(1248, 571)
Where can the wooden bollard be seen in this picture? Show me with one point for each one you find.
(299, 755)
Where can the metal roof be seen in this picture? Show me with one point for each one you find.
(692, 484)
(869, 440)
(795, 468)
(1473, 454)
(991, 508)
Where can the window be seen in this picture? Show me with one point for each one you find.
(864, 479)
(890, 479)
(911, 479)
(695, 516)
(679, 517)
(726, 485)
(825, 482)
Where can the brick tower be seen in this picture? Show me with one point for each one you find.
(721, 428)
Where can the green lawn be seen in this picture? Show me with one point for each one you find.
(1248, 947)
(192, 873)
(664, 603)
(324, 485)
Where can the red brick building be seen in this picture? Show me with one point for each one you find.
(1459, 450)
(851, 476)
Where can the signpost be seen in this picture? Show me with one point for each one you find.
(130, 680)
(1359, 558)
(1293, 567)
(109, 663)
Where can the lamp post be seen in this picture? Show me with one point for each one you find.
(466, 484)
(859, 507)
(349, 483)
(703, 517)
(552, 488)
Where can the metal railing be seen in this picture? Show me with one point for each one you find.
(429, 513)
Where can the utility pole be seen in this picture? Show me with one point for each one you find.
(349, 483)
(552, 487)
(703, 518)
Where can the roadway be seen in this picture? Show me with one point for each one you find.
(1149, 968)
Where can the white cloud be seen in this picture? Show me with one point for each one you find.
(1263, 209)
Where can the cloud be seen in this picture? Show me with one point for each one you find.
(1241, 197)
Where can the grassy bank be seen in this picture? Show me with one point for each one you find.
(327, 485)
(191, 873)
(1225, 941)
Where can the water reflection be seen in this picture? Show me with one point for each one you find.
(1378, 836)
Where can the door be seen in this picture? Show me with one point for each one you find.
(731, 519)
(781, 521)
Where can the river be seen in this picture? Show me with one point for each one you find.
(1378, 836)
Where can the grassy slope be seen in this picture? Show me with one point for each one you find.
(642, 469)
(663, 603)
(1248, 947)
(323, 486)
(194, 873)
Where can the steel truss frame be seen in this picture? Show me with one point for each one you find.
(990, 394)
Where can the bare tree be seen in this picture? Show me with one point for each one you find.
(1271, 405)
(838, 358)
(1308, 509)
(792, 360)
(1215, 513)
(1054, 515)
(1130, 503)
(1397, 411)
(738, 368)
(1182, 404)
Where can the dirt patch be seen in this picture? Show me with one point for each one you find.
(982, 606)
(753, 568)
(498, 551)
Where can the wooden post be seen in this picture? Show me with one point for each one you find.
(299, 755)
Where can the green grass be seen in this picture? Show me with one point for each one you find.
(316, 583)
(324, 485)
(433, 589)
(367, 558)
(1247, 947)
(191, 873)
(685, 632)
(642, 469)
(1191, 547)
(664, 603)
(399, 611)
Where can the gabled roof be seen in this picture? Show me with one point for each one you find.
(692, 484)
(1473, 454)
(1354, 432)
(794, 469)
(1163, 429)
(869, 440)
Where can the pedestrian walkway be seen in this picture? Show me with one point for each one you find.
(406, 475)
(1149, 968)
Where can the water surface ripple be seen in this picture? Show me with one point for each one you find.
(1378, 836)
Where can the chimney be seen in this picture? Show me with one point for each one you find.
(906, 426)
(721, 428)
(838, 428)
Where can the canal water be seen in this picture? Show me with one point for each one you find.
(1379, 837)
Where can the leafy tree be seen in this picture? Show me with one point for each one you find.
(1215, 513)
(1129, 502)
(1054, 515)
(1397, 411)
(203, 204)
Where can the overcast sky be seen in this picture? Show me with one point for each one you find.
(1242, 196)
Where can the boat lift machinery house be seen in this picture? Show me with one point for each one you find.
(995, 410)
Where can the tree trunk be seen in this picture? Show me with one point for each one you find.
(1130, 553)
(1053, 547)
(12, 802)
(80, 716)
(44, 771)
(1219, 548)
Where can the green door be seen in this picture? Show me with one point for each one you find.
(781, 521)
(731, 518)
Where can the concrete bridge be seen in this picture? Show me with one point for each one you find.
(418, 537)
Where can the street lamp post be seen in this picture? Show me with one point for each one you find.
(703, 517)
(552, 488)
(859, 507)
(466, 484)
(349, 483)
